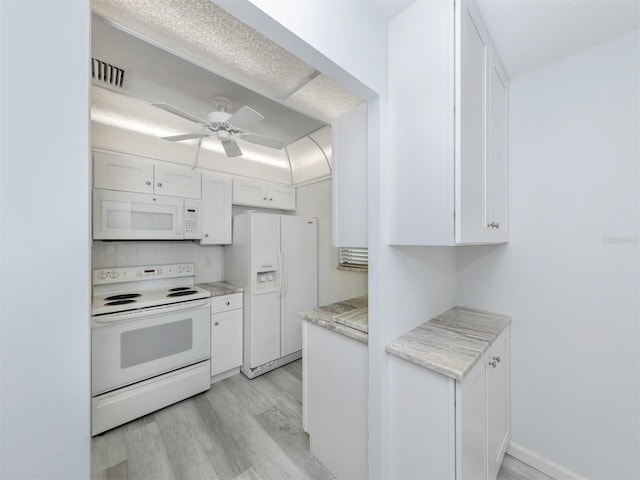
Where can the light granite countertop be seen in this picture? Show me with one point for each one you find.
(452, 342)
(348, 317)
(218, 289)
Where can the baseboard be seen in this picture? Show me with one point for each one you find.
(541, 463)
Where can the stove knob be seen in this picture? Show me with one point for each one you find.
(188, 268)
(114, 274)
(102, 275)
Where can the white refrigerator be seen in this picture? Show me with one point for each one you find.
(275, 259)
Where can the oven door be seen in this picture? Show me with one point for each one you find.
(136, 216)
(132, 346)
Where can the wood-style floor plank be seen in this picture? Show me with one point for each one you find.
(240, 429)
(146, 453)
(512, 469)
(267, 458)
(285, 428)
(185, 441)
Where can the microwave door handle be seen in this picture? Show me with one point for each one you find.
(133, 314)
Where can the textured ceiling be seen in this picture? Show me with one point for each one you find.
(529, 34)
(205, 34)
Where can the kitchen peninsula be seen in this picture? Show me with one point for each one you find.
(335, 385)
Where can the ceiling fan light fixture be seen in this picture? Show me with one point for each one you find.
(219, 116)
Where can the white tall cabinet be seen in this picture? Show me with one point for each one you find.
(216, 209)
(349, 203)
(448, 127)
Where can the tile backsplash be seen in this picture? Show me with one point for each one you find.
(208, 260)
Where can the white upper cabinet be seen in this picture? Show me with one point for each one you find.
(349, 178)
(256, 193)
(115, 172)
(281, 197)
(135, 174)
(176, 180)
(216, 209)
(448, 128)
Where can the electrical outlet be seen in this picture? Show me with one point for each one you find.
(208, 261)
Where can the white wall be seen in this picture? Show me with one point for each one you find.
(44, 290)
(569, 275)
(314, 200)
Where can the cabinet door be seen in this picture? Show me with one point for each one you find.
(216, 209)
(498, 411)
(349, 178)
(471, 119)
(497, 174)
(226, 341)
(126, 173)
(471, 426)
(281, 197)
(252, 193)
(176, 180)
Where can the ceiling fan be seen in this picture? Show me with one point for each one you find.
(225, 126)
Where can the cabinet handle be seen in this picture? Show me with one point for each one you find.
(159, 184)
(271, 199)
(148, 182)
(497, 225)
(215, 324)
(206, 235)
(264, 198)
(497, 359)
(493, 364)
(229, 303)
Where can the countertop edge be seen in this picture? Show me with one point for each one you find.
(221, 288)
(337, 328)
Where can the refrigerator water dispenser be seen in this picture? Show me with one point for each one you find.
(266, 276)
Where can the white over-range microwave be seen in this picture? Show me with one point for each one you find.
(141, 216)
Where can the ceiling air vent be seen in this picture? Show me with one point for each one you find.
(106, 73)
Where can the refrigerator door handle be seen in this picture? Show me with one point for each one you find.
(280, 264)
(284, 273)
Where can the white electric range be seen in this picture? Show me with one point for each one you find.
(150, 341)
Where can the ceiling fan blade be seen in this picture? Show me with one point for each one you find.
(178, 112)
(264, 141)
(231, 148)
(244, 118)
(186, 136)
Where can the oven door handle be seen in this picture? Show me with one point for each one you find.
(146, 312)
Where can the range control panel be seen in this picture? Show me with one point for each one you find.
(103, 276)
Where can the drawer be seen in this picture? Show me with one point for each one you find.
(226, 302)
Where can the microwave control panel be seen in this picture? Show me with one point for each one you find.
(192, 228)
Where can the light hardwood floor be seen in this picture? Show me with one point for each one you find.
(240, 429)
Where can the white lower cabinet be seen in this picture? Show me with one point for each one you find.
(335, 400)
(441, 428)
(226, 333)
